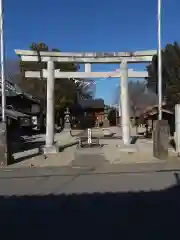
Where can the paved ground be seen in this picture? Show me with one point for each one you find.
(35, 142)
(113, 151)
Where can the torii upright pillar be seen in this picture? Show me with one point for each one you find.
(50, 146)
(124, 97)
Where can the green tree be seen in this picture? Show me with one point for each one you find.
(65, 89)
(170, 74)
(112, 115)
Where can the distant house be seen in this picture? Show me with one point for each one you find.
(151, 114)
(24, 104)
(24, 119)
(95, 107)
(20, 101)
(87, 112)
(19, 104)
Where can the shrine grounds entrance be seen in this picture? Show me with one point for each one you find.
(87, 58)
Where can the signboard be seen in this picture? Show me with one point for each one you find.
(89, 136)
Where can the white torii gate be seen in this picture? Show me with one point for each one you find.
(87, 58)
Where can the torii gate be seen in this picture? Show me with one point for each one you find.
(87, 58)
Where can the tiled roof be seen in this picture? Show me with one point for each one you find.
(13, 114)
(91, 103)
(14, 90)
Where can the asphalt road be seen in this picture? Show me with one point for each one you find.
(51, 203)
(103, 178)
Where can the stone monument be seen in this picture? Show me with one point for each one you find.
(6, 157)
(161, 139)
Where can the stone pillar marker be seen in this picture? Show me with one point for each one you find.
(125, 118)
(3, 145)
(50, 146)
(161, 139)
(89, 136)
(6, 156)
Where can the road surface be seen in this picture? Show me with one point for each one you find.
(72, 203)
(67, 180)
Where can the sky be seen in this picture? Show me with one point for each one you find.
(79, 25)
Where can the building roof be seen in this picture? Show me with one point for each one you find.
(14, 90)
(152, 111)
(92, 103)
(13, 114)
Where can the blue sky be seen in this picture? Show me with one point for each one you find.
(79, 25)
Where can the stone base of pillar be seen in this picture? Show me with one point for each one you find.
(51, 149)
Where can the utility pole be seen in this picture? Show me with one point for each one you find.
(5, 149)
(159, 62)
(3, 90)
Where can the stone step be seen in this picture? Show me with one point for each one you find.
(88, 158)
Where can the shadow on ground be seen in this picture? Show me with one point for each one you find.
(143, 215)
(25, 145)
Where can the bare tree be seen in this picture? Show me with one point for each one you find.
(140, 97)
